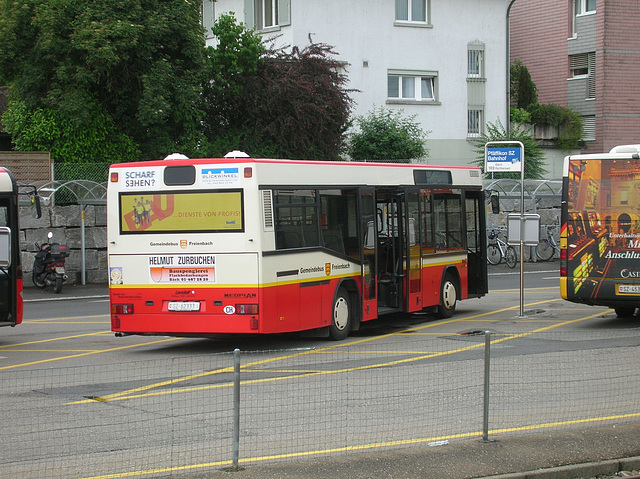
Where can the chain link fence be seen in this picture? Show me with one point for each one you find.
(180, 415)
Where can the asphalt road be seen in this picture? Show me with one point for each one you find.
(72, 329)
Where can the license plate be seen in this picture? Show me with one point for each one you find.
(629, 288)
(184, 306)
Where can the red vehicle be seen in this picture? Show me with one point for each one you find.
(242, 245)
(11, 304)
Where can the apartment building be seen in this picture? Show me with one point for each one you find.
(444, 61)
(585, 55)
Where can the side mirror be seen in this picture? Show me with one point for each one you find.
(5, 247)
(35, 201)
(495, 204)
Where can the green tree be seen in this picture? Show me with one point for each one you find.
(523, 90)
(533, 155)
(287, 102)
(135, 68)
(387, 135)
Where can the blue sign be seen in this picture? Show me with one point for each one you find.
(503, 159)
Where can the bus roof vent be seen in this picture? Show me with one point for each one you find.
(236, 154)
(625, 149)
(176, 156)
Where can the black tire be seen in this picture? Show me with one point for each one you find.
(494, 255)
(57, 287)
(341, 316)
(448, 297)
(511, 257)
(625, 312)
(37, 282)
(544, 250)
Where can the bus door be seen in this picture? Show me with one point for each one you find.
(391, 254)
(476, 243)
(368, 249)
(412, 255)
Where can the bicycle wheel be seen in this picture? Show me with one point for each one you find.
(544, 250)
(494, 255)
(511, 257)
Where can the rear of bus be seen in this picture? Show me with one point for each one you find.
(600, 236)
(182, 247)
(11, 302)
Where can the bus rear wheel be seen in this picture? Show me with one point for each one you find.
(341, 316)
(625, 312)
(448, 297)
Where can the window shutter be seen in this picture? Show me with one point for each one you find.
(579, 62)
(589, 128)
(284, 12)
(591, 81)
(249, 14)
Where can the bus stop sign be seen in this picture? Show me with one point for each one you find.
(503, 158)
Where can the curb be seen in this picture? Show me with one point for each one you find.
(577, 471)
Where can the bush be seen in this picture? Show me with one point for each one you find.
(386, 135)
(520, 115)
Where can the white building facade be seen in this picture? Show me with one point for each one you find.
(444, 61)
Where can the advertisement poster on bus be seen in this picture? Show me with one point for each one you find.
(603, 227)
(181, 212)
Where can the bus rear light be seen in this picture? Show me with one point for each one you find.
(114, 177)
(122, 309)
(248, 172)
(246, 309)
(563, 263)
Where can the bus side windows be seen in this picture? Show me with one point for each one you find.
(288, 237)
(332, 239)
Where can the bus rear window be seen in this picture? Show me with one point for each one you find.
(173, 212)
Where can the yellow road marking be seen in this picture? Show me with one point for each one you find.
(44, 320)
(361, 447)
(73, 356)
(133, 393)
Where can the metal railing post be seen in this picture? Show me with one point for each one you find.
(236, 407)
(487, 365)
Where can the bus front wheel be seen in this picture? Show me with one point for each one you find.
(448, 297)
(341, 316)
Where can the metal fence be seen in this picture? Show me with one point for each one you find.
(175, 416)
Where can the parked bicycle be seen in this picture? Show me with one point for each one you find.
(500, 250)
(547, 247)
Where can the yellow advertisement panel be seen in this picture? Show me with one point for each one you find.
(210, 211)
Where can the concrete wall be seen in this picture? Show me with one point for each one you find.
(65, 222)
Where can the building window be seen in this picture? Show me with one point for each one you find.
(412, 11)
(267, 14)
(207, 17)
(412, 87)
(475, 63)
(584, 6)
(475, 122)
(583, 66)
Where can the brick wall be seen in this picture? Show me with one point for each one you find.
(538, 38)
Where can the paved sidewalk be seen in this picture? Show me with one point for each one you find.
(577, 454)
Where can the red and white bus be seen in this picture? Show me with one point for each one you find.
(239, 245)
(600, 235)
(11, 302)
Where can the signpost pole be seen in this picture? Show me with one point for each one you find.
(508, 156)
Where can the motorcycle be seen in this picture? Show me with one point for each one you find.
(48, 266)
